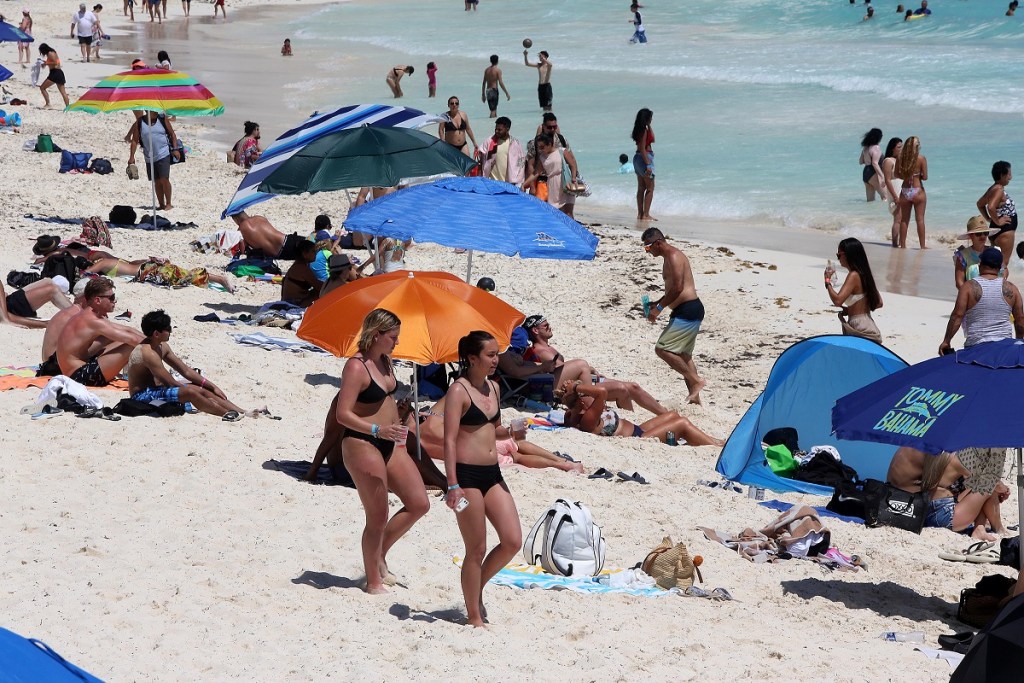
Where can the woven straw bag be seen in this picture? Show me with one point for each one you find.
(671, 566)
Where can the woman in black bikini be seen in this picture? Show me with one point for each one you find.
(456, 128)
(370, 416)
(997, 206)
(471, 413)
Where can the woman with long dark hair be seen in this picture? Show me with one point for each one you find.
(472, 411)
(892, 155)
(913, 168)
(55, 76)
(870, 155)
(373, 448)
(858, 296)
(247, 149)
(643, 163)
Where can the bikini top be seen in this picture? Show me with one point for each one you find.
(449, 126)
(374, 393)
(475, 417)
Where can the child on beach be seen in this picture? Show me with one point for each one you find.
(286, 49)
(431, 79)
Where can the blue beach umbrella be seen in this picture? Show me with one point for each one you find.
(4, 73)
(11, 33)
(313, 128)
(476, 214)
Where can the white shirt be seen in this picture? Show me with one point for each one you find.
(85, 22)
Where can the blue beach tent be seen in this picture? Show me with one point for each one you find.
(804, 384)
(27, 660)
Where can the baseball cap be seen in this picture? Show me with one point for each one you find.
(991, 258)
(322, 235)
(138, 64)
(486, 284)
(533, 321)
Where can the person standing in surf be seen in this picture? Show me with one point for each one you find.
(544, 95)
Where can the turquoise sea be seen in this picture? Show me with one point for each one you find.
(759, 105)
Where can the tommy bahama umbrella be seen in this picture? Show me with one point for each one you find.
(9, 33)
(172, 93)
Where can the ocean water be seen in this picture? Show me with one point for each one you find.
(759, 105)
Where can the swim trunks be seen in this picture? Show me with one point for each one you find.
(544, 95)
(90, 374)
(680, 335)
(49, 367)
(85, 40)
(148, 394)
(161, 169)
(480, 477)
(17, 304)
(640, 168)
(492, 98)
(940, 513)
(289, 250)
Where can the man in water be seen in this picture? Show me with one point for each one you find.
(489, 88)
(91, 349)
(923, 9)
(675, 345)
(544, 94)
(501, 155)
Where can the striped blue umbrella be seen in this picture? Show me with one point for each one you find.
(312, 129)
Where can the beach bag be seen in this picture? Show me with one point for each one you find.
(61, 264)
(787, 436)
(44, 143)
(101, 166)
(122, 215)
(890, 506)
(565, 541)
(980, 605)
(95, 232)
(671, 566)
(848, 499)
(181, 149)
(20, 279)
(133, 172)
(74, 161)
(780, 460)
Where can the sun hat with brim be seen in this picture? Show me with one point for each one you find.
(976, 226)
(338, 262)
(45, 244)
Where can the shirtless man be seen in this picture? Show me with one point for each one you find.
(149, 380)
(20, 307)
(300, 285)
(952, 505)
(394, 78)
(622, 392)
(91, 349)
(544, 95)
(489, 88)
(675, 345)
(49, 366)
(258, 233)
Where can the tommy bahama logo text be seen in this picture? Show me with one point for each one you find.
(915, 413)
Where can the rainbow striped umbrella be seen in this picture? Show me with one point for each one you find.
(170, 92)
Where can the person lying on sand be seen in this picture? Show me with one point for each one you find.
(160, 271)
(259, 234)
(149, 380)
(587, 412)
(20, 307)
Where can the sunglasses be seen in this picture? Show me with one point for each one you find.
(648, 245)
(453, 104)
(112, 297)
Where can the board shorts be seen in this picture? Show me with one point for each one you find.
(90, 374)
(289, 250)
(680, 335)
(544, 95)
(492, 98)
(85, 40)
(169, 394)
(17, 304)
(161, 169)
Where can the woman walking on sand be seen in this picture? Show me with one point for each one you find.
(858, 296)
(870, 155)
(997, 206)
(892, 156)
(913, 168)
(472, 410)
(456, 128)
(54, 77)
(643, 163)
(373, 448)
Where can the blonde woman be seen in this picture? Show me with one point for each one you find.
(373, 448)
(913, 168)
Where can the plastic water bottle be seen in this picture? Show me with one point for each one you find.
(670, 439)
(897, 637)
(646, 302)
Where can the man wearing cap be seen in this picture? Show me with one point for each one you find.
(83, 21)
(343, 239)
(622, 392)
(49, 366)
(984, 305)
(967, 257)
(79, 353)
(486, 284)
(340, 269)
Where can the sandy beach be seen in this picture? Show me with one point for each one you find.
(173, 549)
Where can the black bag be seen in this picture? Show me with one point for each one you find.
(19, 279)
(1009, 552)
(848, 499)
(61, 264)
(890, 506)
(786, 436)
(101, 166)
(825, 470)
(161, 222)
(122, 215)
(129, 407)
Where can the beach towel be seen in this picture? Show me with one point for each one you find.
(274, 343)
(782, 506)
(529, 576)
(24, 376)
(77, 391)
(297, 469)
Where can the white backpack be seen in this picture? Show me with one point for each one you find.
(565, 541)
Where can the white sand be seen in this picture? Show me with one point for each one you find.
(156, 549)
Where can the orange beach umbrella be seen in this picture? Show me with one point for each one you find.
(436, 309)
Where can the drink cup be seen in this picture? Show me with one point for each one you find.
(403, 435)
(518, 428)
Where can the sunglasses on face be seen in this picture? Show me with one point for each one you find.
(648, 245)
(112, 297)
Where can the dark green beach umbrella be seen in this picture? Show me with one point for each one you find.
(367, 156)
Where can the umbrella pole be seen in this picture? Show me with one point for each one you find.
(469, 266)
(416, 411)
(152, 169)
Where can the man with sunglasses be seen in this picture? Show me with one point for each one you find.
(675, 345)
(92, 349)
(549, 125)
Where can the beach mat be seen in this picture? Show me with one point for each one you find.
(531, 576)
(782, 506)
(24, 377)
(296, 469)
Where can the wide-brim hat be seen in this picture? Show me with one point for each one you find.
(45, 244)
(977, 226)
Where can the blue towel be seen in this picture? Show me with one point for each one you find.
(526, 576)
(782, 506)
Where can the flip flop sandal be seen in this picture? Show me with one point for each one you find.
(565, 456)
(622, 476)
(948, 642)
(600, 473)
(721, 594)
(108, 413)
(89, 412)
(958, 556)
(986, 556)
(695, 592)
(961, 555)
(232, 416)
(34, 408)
(639, 478)
(47, 412)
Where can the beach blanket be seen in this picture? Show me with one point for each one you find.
(274, 343)
(24, 377)
(129, 226)
(530, 576)
(782, 506)
(297, 470)
(540, 422)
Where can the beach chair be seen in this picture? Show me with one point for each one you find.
(535, 390)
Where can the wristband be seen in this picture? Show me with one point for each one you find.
(453, 487)
(374, 429)
(659, 307)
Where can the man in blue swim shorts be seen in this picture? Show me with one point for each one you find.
(149, 380)
(675, 345)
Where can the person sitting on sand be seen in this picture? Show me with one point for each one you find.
(20, 307)
(340, 271)
(81, 353)
(624, 393)
(49, 366)
(149, 380)
(587, 412)
(258, 233)
(300, 285)
(959, 499)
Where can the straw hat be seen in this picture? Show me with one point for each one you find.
(976, 226)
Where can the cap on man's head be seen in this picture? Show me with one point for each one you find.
(323, 222)
(138, 64)
(45, 244)
(991, 258)
(533, 321)
(486, 284)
